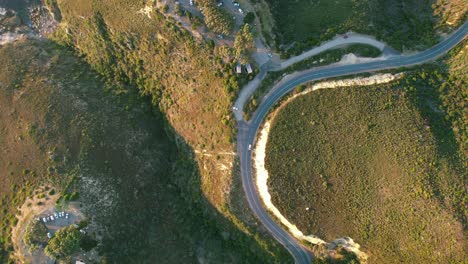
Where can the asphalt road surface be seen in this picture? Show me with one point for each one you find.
(248, 131)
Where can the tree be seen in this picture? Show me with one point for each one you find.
(243, 43)
(249, 18)
(216, 19)
(65, 242)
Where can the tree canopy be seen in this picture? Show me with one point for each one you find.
(65, 242)
(243, 43)
(216, 19)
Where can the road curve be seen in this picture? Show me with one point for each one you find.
(248, 131)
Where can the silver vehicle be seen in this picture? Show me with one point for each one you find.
(241, 11)
(250, 146)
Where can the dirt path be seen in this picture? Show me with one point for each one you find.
(352, 38)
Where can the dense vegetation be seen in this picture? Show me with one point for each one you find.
(216, 19)
(404, 24)
(243, 44)
(384, 165)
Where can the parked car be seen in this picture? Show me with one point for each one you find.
(220, 4)
(241, 11)
(191, 2)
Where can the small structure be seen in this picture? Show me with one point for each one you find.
(238, 69)
(248, 68)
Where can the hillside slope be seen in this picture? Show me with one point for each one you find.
(385, 165)
(403, 24)
(190, 84)
(61, 125)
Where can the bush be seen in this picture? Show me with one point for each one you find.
(88, 243)
(65, 242)
(249, 18)
(36, 234)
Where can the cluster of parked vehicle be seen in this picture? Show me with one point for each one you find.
(236, 4)
(55, 216)
(220, 4)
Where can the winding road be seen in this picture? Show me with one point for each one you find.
(247, 131)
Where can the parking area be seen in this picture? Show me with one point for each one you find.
(55, 219)
(191, 6)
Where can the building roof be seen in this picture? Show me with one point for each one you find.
(238, 68)
(249, 68)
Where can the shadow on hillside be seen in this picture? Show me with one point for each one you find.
(162, 214)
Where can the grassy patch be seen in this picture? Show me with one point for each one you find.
(382, 165)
